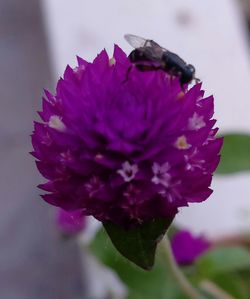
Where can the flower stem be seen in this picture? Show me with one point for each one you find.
(214, 290)
(185, 285)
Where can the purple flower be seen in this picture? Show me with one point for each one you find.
(187, 248)
(125, 146)
(70, 223)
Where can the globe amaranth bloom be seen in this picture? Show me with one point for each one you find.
(187, 248)
(123, 145)
(70, 223)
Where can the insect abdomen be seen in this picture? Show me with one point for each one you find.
(173, 62)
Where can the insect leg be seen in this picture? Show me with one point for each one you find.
(127, 74)
(147, 68)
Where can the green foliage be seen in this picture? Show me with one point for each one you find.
(227, 267)
(233, 284)
(223, 260)
(158, 283)
(138, 244)
(224, 267)
(243, 277)
(235, 155)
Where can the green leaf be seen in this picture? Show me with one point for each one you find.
(235, 155)
(138, 244)
(158, 283)
(244, 276)
(223, 260)
(233, 284)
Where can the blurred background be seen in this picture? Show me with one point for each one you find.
(37, 40)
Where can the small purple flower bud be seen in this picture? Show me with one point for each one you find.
(70, 223)
(187, 248)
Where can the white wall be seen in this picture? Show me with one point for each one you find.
(209, 34)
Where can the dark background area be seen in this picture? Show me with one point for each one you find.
(35, 262)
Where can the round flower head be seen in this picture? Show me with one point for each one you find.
(123, 145)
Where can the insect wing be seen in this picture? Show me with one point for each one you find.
(135, 41)
(151, 48)
(154, 50)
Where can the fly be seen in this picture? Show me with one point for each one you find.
(149, 56)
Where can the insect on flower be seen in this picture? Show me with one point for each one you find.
(149, 56)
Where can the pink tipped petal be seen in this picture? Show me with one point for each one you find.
(70, 223)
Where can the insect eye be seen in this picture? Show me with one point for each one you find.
(191, 68)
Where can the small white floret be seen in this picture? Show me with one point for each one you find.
(161, 174)
(128, 171)
(196, 122)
